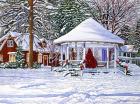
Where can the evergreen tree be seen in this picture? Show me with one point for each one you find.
(125, 30)
(137, 35)
(127, 34)
(20, 61)
(67, 16)
(14, 16)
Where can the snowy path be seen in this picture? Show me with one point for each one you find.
(45, 87)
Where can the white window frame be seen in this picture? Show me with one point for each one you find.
(12, 56)
(1, 57)
(10, 43)
(40, 58)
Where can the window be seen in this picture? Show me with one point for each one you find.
(133, 54)
(124, 54)
(50, 58)
(1, 57)
(12, 57)
(27, 57)
(128, 54)
(10, 43)
(44, 44)
(64, 57)
(39, 58)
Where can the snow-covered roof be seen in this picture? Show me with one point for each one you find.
(5, 37)
(13, 34)
(128, 48)
(13, 53)
(43, 40)
(23, 40)
(89, 30)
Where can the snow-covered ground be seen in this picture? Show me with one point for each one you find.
(42, 86)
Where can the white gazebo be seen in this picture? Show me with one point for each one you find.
(90, 34)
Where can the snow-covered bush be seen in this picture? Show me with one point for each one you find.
(36, 65)
(10, 65)
(2, 65)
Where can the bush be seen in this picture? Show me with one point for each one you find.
(9, 65)
(138, 54)
(15, 65)
(2, 65)
(36, 65)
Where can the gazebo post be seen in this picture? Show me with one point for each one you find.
(107, 57)
(78, 55)
(84, 51)
(115, 56)
(67, 52)
(93, 49)
(77, 52)
(61, 53)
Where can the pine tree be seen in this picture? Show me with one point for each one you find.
(127, 34)
(14, 16)
(20, 61)
(137, 35)
(125, 30)
(67, 16)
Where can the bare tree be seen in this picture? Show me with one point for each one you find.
(113, 14)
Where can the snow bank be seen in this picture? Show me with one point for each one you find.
(42, 86)
(135, 69)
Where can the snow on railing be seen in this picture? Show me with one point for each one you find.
(132, 60)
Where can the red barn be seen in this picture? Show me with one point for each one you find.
(10, 42)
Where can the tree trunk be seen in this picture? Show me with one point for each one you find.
(31, 34)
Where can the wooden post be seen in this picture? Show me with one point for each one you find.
(31, 34)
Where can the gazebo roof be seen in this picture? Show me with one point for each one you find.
(89, 31)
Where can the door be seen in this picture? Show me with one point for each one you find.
(45, 60)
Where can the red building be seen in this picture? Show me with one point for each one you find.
(10, 42)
